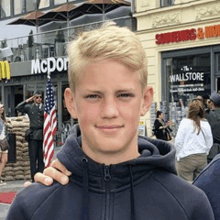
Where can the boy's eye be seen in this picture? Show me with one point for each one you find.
(93, 96)
(126, 95)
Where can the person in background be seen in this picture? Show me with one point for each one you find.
(162, 130)
(199, 97)
(205, 101)
(213, 117)
(210, 105)
(34, 107)
(193, 142)
(3, 154)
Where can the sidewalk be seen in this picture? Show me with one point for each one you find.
(11, 186)
(14, 186)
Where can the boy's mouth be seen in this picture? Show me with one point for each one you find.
(109, 129)
(109, 126)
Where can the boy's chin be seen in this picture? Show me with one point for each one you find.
(112, 148)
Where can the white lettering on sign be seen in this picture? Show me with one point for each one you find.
(50, 64)
(43, 66)
(195, 76)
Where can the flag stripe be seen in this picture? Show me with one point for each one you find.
(50, 124)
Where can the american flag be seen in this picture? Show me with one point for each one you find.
(50, 124)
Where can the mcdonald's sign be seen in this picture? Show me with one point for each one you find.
(5, 72)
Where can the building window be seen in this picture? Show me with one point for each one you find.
(185, 78)
(188, 77)
(5, 8)
(58, 2)
(165, 3)
(31, 5)
(19, 7)
(44, 4)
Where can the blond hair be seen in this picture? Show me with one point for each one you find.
(108, 42)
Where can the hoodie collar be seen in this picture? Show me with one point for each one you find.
(155, 154)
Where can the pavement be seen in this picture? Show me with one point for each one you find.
(11, 186)
(14, 186)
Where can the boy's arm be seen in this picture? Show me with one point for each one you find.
(57, 171)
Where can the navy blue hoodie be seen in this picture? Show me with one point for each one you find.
(209, 181)
(145, 188)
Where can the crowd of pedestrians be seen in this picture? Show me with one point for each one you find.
(197, 140)
(193, 142)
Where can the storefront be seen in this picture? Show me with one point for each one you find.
(27, 77)
(188, 73)
(183, 53)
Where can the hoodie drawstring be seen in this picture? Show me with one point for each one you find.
(85, 200)
(132, 195)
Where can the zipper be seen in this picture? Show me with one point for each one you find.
(107, 178)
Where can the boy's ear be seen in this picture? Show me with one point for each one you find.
(70, 102)
(147, 100)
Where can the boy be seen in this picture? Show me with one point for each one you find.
(115, 175)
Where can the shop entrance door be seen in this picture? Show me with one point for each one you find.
(217, 83)
(13, 95)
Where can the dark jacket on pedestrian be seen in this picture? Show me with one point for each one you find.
(143, 188)
(209, 182)
(36, 116)
(213, 117)
(160, 132)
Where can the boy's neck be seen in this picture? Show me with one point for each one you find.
(112, 158)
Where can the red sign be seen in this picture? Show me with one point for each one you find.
(176, 36)
(187, 35)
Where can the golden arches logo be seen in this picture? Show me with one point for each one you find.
(5, 72)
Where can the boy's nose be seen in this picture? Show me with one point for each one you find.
(109, 109)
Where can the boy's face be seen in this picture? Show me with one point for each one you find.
(108, 102)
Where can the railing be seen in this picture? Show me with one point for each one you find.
(51, 43)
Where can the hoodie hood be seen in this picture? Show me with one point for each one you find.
(154, 154)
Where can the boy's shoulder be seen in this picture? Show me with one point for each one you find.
(186, 194)
(31, 198)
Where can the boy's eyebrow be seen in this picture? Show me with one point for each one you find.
(118, 91)
(126, 90)
(93, 91)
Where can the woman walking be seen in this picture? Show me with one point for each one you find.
(193, 142)
(3, 153)
(162, 130)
